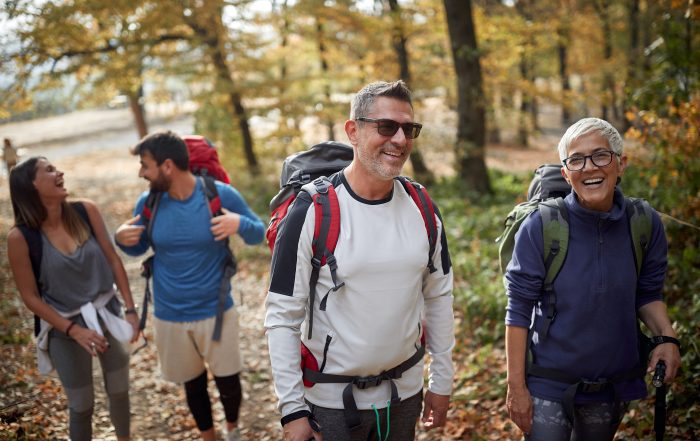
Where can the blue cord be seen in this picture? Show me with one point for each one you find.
(388, 421)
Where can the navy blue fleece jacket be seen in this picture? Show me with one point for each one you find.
(594, 335)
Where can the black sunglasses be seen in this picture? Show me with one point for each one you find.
(389, 127)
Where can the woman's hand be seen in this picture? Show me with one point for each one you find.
(90, 340)
(519, 404)
(133, 319)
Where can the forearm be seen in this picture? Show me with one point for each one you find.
(440, 339)
(283, 320)
(46, 312)
(516, 349)
(655, 317)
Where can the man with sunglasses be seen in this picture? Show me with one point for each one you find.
(367, 334)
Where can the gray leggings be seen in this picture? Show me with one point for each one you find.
(401, 425)
(74, 367)
(592, 422)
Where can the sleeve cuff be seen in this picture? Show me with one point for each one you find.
(295, 416)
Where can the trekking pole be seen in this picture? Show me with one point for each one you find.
(660, 402)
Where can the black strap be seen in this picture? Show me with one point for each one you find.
(352, 416)
(586, 385)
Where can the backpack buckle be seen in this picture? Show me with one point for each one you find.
(322, 185)
(316, 262)
(366, 382)
(588, 386)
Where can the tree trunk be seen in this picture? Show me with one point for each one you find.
(633, 56)
(609, 105)
(471, 130)
(523, 129)
(138, 111)
(565, 85)
(420, 169)
(211, 36)
(322, 52)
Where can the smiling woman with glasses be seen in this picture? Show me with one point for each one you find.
(578, 333)
(602, 158)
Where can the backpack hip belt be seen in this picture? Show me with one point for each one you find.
(352, 416)
(586, 385)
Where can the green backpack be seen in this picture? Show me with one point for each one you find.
(546, 194)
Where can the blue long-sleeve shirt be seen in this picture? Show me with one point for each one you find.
(188, 262)
(594, 334)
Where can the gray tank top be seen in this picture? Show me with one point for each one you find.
(70, 281)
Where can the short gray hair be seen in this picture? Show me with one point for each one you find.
(364, 99)
(586, 126)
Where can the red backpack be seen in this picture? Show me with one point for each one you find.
(307, 171)
(204, 159)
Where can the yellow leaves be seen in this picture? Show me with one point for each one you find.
(654, 181)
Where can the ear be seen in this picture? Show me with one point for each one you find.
(564, 172)
(351, 130)
(623, 164)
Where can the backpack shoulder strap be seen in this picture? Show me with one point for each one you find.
(212, 194)
(421, 198)
(639, 217)
(326, 233)
(555, 235)
(148, 214)
(34, 245)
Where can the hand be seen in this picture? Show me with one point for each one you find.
(519, 404)
(128, 234)
(670, 355)
(300, 430)
(225, 225)
(435, 410)
(133, 319)
(90, 340)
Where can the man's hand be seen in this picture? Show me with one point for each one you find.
(128, 234)
(670, 355)
(225, 225)
(435, 410)
(300, 430)
(519, 404)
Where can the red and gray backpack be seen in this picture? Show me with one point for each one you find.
(306, 172)
(204, 163)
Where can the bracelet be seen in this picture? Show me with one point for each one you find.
(661, 339)
(130, 310)
(69, 328)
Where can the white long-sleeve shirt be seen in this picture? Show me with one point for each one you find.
(374, 322)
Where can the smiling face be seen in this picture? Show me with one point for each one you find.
(49, 181)
(382, 157)
(153, 173)
(594, 186)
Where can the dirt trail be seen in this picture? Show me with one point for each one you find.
(109, 177)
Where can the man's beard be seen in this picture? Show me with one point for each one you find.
(161, 183)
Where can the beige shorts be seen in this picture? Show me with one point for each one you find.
(185, 349)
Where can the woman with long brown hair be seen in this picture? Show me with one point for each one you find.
(65, 268)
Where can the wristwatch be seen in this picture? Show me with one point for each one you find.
(130, 310)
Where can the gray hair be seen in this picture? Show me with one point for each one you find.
(586, 126)
(364, 99)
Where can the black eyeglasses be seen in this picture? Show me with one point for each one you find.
(599, 159)
(389, 127)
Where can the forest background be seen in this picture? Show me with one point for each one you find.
(263, 79)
